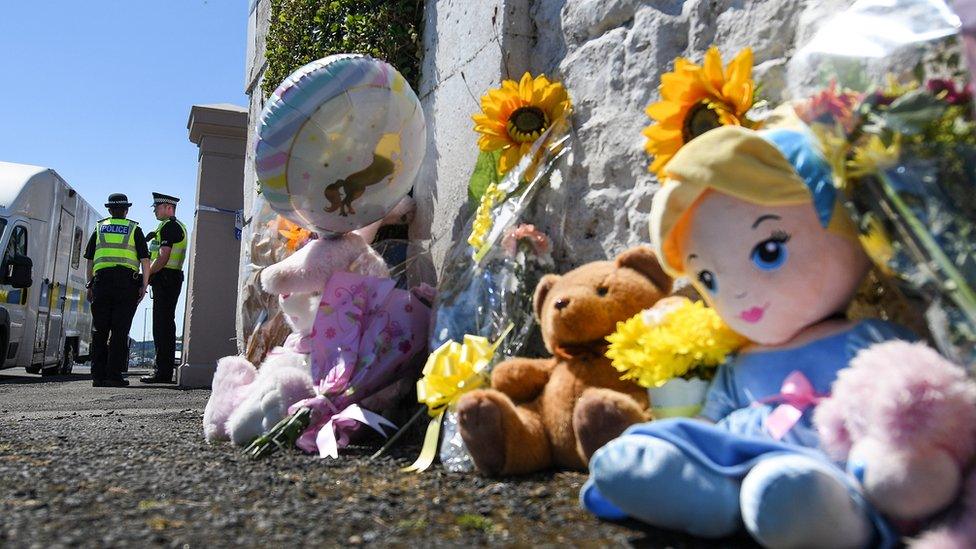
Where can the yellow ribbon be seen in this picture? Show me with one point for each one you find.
(451, 370)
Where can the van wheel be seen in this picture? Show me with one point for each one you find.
(50, 370)
(68, 360)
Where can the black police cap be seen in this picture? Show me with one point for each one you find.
(118, 200)
(160, 198)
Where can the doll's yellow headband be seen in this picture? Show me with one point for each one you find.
(779, 167)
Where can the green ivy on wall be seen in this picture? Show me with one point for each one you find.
(302, 31)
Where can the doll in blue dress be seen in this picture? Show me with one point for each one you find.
(752, 218)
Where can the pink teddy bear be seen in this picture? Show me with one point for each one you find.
(247, 401)
(904, 419)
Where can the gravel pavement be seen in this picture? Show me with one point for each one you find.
(128, 467)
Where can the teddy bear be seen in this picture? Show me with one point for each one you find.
(249, 399)
(904, 419)
(557, 411)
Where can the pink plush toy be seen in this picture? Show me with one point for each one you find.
(247, 401)
(904, 419)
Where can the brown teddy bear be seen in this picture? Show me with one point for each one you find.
(558, 411)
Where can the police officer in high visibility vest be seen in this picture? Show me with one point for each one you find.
(115, 252)
(167, 250)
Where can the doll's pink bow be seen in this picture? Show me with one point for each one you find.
(795, 396)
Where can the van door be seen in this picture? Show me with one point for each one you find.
(14, 300)
(58, 290)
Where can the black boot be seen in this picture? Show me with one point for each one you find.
(156, 378)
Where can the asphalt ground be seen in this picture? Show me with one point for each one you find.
(128, 467)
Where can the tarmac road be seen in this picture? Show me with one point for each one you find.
(128, 467)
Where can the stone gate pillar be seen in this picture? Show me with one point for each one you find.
(221, 133)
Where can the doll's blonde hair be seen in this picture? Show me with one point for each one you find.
(775, 167)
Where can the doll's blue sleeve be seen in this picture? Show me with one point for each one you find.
(871, 331)
(721, 400)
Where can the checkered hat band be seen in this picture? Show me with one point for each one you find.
(164, 201)
(121, 202)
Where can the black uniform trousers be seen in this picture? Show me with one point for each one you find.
(166, 285)
(115, 296)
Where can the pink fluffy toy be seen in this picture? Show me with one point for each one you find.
(904, 419)
(247, 401)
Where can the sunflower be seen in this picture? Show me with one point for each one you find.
(695, 99)
(516, 114)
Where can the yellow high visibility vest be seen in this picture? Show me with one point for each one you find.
(115, 244)
(177, 251)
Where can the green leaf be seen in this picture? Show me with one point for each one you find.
(485, 173)
(919, 72)
(911, 113)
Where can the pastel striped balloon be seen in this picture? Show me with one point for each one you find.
(339, 143)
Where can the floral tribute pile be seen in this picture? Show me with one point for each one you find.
(484, 300)
(356, 332)
(900, 139)
(902, 149)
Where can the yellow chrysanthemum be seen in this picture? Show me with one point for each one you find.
(669, 341)
(872, 156)
(516, 114)
(877, 245)
(695, 99)
(896, 88)
(834, 147)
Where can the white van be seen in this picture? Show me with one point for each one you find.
(45, 318)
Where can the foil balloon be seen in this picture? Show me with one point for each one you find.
(339, 143)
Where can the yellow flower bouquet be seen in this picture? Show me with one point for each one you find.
(673, 349)
(487, 277)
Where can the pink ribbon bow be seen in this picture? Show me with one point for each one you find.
(326, 420)
(796, 395)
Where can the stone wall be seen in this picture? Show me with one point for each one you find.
(469, 47)
(610, 54)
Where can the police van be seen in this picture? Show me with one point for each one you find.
(45, 318)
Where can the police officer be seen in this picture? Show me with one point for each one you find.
(115, 252)
(167, 250)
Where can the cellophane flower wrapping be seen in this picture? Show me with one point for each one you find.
(363, 339)
(484, 289)
(886, 87)
(365, 350)
(267, 238)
